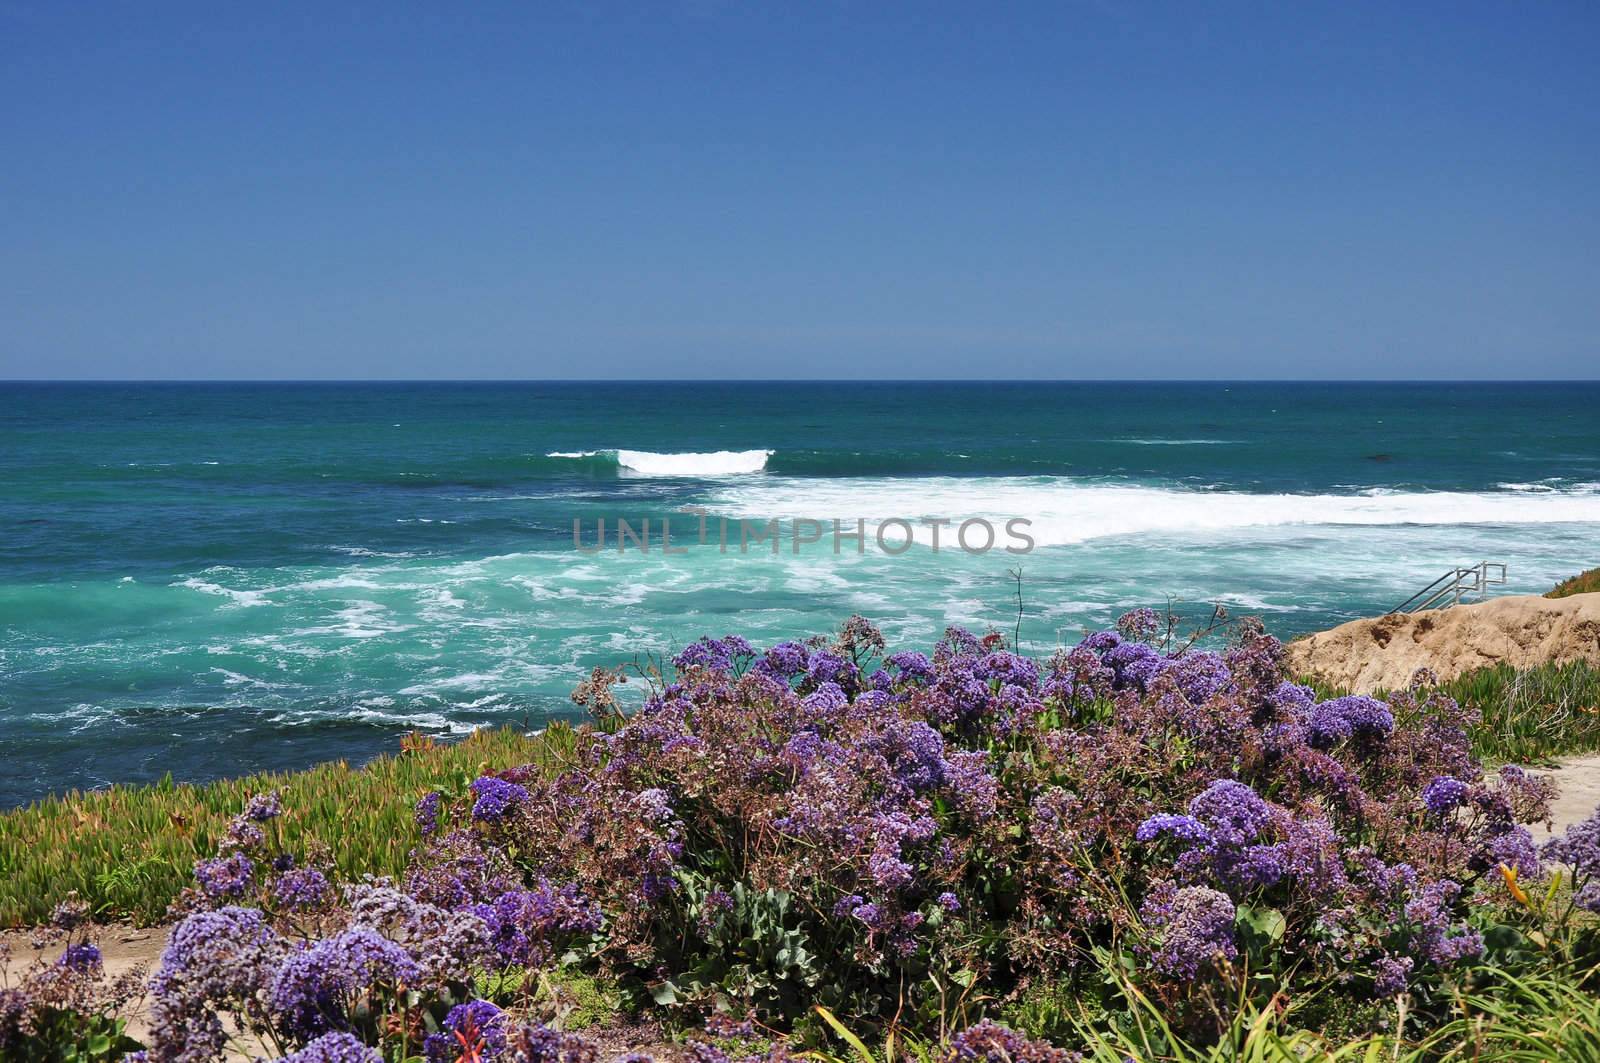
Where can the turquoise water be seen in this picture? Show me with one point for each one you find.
(210, 578)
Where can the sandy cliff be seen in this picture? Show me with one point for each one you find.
(1521, 630)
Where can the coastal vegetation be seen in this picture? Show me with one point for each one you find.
(1583, 583)
(1523, 715)
(1133, 849)
(128, 851)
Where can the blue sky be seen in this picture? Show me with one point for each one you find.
(707, 189)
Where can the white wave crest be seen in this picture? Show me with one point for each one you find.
(1063, 511)
(1175, 442)
(650, 463)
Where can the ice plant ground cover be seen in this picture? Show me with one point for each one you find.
(128, 851)
(1123, 849)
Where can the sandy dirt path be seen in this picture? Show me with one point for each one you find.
(1578, 780)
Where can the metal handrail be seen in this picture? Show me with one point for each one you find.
(1448, 589)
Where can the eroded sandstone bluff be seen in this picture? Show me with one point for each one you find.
(1521, 630)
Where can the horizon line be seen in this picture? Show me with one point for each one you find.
(898, 381)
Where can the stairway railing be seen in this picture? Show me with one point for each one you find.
(1449, 588)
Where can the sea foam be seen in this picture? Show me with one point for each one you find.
(1064, 511)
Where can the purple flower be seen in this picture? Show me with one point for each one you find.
(949, 902)
(426, 813)
(1009, 669)
(335, 1048)
(913, 667)
(226, 876)
(785, 660)
(479, 1020)
(1293, 698)
(530, 927)
(537, 1043)
(989, 1042)
(973, 790)
(82, 958)
(1579, 849)
(1433, 936)
(1391, 975)
(1354, 716)
(825, 666)
(304, 890)
(314, 989)
(1198, 932)
(826, 700)
(1182, 828)
(1200, 675)
(1101, 641)
(1443, 795)
(847, 904)
(496, 798)
(1134, 665)
(263, 807)
(1235, 813)
(714, 655)
(213, 962)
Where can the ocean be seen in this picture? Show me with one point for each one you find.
(210, 579)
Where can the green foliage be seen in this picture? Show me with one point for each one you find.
(756, 953)
(1583, 583)
(1048, 1010)
(577, 1001)
(130, 850)
(1546, 1017)
(68, 1037)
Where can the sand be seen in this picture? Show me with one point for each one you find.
(1382, 653)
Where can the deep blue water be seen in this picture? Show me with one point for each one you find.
(212, 578)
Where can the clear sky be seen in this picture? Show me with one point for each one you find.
(798, 189)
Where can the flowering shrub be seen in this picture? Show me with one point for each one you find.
(823, 824)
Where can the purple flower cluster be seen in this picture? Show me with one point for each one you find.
(1139, 625)
(1444, 795)
(426, 812)
(1219, 837)
(989, 1042)
(1356, 716)
(477, 1025)
(717, 655)
(226, 877)
(303, 890)
(496, 798)
(316, 988)
(1197, 925)
(81, 958)
(770, 822)
(335, 1048)
(529, 927)
(1579, 849)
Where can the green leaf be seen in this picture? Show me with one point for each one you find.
(1264, 925)
(849, 1038)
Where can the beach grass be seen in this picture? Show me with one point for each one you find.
(129, 850)
(1583, 583)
